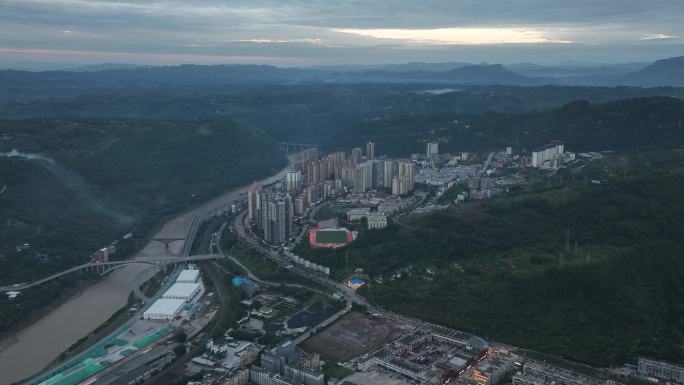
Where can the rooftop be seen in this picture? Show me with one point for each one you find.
(181, 290)
(188, 276)
(165, 306)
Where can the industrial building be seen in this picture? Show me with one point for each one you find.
(188, 276)
(184, 291)
(164, 309)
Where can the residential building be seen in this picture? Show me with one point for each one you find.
(306, 376)
(432, 149)
(239, 377)
(377, 221)
(390, 170)
(549, 156)
(357, 214)
(294, 180)
(400, 186)
(538, 373)
(252, 201)
(370, 150)
(262, 376)
(407, 170)
(660, 370)
(276, 213)
(363, 177)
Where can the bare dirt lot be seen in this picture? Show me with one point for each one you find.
(352, 335)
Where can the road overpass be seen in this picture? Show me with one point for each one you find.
(105, 267)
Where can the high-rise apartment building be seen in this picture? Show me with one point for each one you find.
(432, 149)
(548, 156)
(252, 200)
(276, 212)
(407, 170)
(363, 177)
(370, 151)
(390, 170)
(294, 180)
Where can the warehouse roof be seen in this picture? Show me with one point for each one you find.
(188, 276)
(184, 290)
(165, 306)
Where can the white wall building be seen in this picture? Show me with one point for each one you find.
(357, 214)
(188, 276)
(432, 149)
(184, 291)
(549, 156)
(294, 180)
(164, 309)
(377, 221)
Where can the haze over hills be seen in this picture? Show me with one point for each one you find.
(666, 72)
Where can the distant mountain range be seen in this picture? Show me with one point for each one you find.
(666, 72)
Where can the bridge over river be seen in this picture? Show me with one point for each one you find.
(105, 267)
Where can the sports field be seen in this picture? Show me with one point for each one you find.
(331, 237)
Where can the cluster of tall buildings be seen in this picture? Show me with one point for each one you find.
(272, 211)
(314, 178)
(358, 172)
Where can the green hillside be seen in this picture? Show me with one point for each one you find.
(592, 273)
(100, 179)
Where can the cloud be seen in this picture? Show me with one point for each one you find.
(336, 31)
(461, 36)
(659, 36)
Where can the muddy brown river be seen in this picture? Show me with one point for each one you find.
(33, 348)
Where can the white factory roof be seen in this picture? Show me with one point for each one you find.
(184, 290)
(189, 276)
(167, 307)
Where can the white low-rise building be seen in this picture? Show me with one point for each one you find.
(377, 221)
(188, 276)
(357, 214)
(164, 309)
(184, 291)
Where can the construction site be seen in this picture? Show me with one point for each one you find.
(427, 355)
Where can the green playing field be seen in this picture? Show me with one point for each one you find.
(331, 237)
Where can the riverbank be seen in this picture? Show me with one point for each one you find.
(59, 329)
(8, 338)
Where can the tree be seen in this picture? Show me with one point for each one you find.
(179, 350)
(180, 336)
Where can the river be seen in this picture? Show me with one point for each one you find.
(36, 346)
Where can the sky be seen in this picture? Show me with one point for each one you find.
(326, 32)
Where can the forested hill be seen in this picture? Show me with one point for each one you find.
(101, 178)
(625, 125)
(588, 272)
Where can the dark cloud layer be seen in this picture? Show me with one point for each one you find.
(299, 32)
